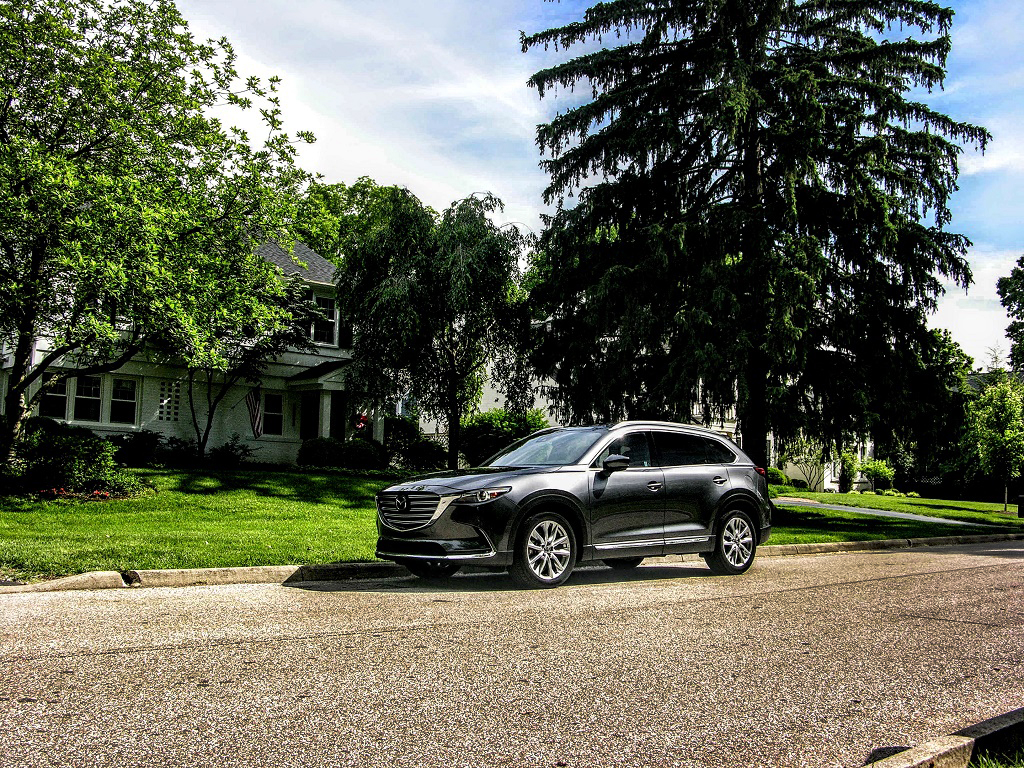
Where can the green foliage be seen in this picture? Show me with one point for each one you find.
(54, 456)
(137, 449)
(424, 455)
(231, 454)
(809, 456)
(329, 452)
(1011, 295)
(486, 433)
(126, 208)
(751, 222)
(400, 434)
(995, 429)
(431, 298)
(776, 476)
(799, 484)
(847, 471)
(878, 471)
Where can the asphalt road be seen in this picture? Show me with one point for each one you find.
(812, 661)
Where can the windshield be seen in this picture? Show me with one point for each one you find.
(563, 446)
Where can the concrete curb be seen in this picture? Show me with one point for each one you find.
(293, 574)
(957, 749)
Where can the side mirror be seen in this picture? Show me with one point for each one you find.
(614, 463)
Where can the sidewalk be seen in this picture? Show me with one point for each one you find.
(790, 501)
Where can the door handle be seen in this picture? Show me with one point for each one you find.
(718, 480)
(654, 486)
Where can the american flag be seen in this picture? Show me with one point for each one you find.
(254, 402)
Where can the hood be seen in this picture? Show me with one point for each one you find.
(467, 479)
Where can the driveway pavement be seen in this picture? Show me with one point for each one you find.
(804, 661)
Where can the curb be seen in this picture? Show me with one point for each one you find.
(293, 574)
(957, 749)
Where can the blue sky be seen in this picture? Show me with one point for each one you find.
(432, 95)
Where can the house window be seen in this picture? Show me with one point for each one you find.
(273, 414)
(54, 404)
(123, 399)
(325, 331)
(87, 398)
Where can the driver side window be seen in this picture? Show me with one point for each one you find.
(634, 445)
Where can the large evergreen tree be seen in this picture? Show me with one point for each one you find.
(761, 215)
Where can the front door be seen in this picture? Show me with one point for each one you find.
(309, 415)
(627, 507)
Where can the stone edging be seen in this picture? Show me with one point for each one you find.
(957, 749)
(292, 574)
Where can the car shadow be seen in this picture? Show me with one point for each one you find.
(484, 581)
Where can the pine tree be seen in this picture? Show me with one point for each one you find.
(762, 210)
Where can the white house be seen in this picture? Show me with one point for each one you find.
(301, 395)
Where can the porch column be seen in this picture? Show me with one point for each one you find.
(325, 414)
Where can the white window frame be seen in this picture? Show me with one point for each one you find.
(333, 313)
(106, 398)
(281, 413)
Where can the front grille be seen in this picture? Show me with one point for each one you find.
(405, 511)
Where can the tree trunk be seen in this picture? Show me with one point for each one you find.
(1006, 496)
(454, 417)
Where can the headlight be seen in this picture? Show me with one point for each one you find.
(482, 496)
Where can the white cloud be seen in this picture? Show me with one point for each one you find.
(976, 319)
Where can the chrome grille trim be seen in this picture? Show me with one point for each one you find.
(424, 507)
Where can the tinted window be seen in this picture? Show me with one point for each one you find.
(719, 453)
(634, 446)
(678, 448)
(565, 446)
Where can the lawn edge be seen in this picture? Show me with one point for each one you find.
(295, 574)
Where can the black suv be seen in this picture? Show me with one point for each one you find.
(563, 496)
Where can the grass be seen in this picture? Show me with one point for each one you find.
(195, 519)
(202, 519)
(966, 511)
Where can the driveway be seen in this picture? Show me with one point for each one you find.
(804, 661)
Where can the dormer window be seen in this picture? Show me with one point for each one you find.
(325, 331)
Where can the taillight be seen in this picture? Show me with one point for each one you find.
(760, 471)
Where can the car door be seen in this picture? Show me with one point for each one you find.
(626, 507)
(693, 486)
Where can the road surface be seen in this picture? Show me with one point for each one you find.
(803, 661)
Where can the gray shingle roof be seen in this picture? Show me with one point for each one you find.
(317, 269)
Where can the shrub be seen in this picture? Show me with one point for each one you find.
(878, 472)
(232, 454)
(486, 433)
(913, 495)
(799, 484)
(137, 449)
(52, 455)
(847, 471)
(178, 452)
(424, 455)
(359, 453)
(776, 476)
(400, 434)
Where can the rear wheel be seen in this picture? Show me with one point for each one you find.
(431, 569)
(735, 545)
(623, 563)
(545, 551)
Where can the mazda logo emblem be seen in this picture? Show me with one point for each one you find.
(401, 503)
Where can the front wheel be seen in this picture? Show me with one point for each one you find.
(431, 569)
(735, 545)
(545, 551)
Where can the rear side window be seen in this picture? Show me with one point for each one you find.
(679, 449)
(718, 453)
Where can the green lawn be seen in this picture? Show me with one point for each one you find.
(194, 520)
(199, 519)
(967, 511)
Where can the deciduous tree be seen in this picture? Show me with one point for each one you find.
(996, 430)
(762, 214)
(120, 195)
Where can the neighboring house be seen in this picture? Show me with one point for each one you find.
(301, 395)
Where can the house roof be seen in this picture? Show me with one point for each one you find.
(317, 269)
(320, 370)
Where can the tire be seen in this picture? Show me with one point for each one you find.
(623, 563)
(545, 551)
(735, 545)
(431, 569)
